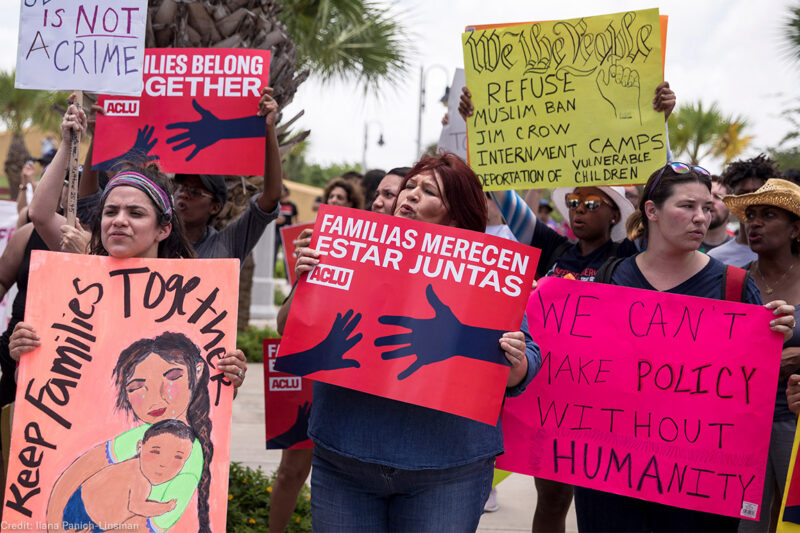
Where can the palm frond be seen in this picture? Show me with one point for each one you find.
(791, 34)
(698, 130)
(20, 108)
(346, 39)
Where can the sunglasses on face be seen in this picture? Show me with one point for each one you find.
(192, 192)
(591, 203)
(678, 168)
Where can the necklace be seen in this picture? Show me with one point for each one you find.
(768, 289)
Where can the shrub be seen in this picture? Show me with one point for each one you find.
(280, 269)
(248, 502)
(250, 341)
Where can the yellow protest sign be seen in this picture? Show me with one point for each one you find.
(789, 519)
(565, 103)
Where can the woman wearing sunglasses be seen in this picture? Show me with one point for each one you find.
(674, 214)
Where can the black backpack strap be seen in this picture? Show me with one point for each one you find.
(557, 252)
(606, 270)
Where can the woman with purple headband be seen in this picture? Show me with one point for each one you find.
(135, 216)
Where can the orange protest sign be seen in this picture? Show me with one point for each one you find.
(122, 417)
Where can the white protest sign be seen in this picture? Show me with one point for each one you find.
(454, 136)
(8, 221)
(90, 45)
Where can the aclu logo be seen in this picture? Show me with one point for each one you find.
(331, 276)
(122, 108)
(284, 384)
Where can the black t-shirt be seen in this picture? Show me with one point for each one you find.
(289, 212)
(581, 267)
(706, 284)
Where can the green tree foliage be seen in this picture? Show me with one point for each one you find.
(345, 39)
(786, 158)
(697, 131)
(298, 169)
(787, 153)
(791, 33)
(20, 108)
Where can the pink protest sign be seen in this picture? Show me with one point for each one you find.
(657, 396)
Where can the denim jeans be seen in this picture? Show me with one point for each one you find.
(351, 495)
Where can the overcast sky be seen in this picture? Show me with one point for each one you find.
(724, 51)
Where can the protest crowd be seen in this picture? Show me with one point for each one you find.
(391, 444)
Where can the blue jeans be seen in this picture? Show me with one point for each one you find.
(351, 495)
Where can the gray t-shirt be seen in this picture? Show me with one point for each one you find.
(239, 237)
(733, 253)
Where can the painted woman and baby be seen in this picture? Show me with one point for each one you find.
(145, 477)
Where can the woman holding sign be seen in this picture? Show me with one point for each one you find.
(771, 217)
(674, 214)
(597, 217)
(385, 465)
(135, 218)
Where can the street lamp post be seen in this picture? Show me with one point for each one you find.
(423, 72)
(366, 137)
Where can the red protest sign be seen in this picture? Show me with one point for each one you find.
(287, 402)
(288, 235)
(647, 394)
(409, 311)
(198, 107)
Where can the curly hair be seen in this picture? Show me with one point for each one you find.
(760, 167)
(354, 196)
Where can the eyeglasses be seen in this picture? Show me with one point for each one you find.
(192, 192)
(678, 168)
(592, 203)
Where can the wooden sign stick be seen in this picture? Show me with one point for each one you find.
(75, 148)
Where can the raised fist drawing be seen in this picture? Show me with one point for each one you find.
(619, 86)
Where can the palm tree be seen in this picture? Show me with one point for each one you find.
(331, 38)
(19, 109)
(791, 33)
(340, 39)
(730, 144)
(697, 131)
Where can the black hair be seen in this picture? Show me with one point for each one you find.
(400, 171)
(659, 187)
(176, 348)
(174, 246)
(171, 426)
(760, 167)
(369, 186)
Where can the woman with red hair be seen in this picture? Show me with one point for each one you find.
(385, 465)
